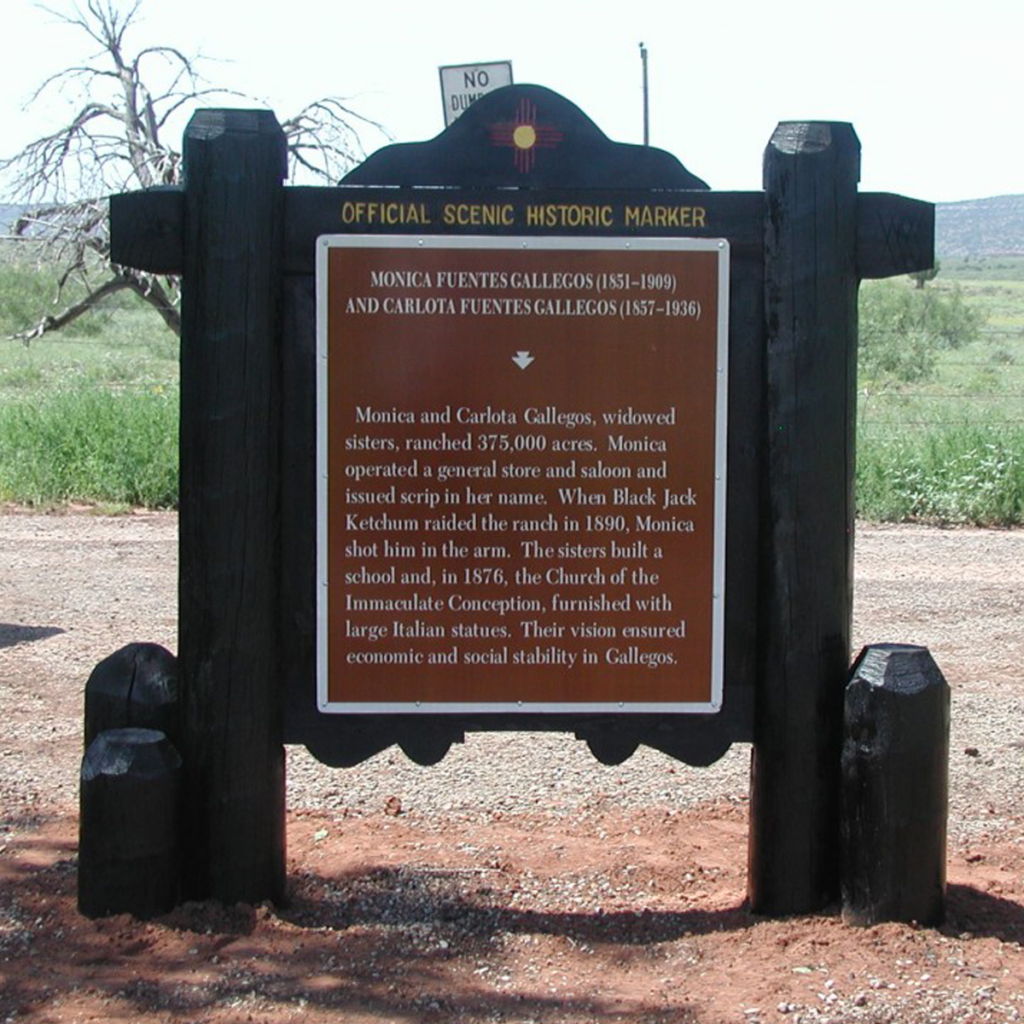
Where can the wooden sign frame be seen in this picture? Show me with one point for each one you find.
(245, 247)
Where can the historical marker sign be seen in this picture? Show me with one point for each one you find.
(521, 474)
(521, 453)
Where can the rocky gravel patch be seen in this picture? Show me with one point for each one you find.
(518, 880)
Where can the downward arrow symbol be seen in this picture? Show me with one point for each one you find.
(522, 360)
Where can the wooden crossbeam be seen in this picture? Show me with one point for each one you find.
(895, 235)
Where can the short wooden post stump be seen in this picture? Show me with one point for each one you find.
(895, 787)
(128, 826)
(135, 687)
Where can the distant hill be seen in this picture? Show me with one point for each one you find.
(980, 227)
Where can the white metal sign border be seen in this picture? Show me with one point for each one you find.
(324, 244)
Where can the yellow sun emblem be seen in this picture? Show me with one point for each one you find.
(525, 136)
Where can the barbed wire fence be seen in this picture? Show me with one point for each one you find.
(991, 396)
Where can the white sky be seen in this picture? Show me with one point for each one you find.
(934, 88)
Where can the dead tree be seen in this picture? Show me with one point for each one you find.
(126, 99)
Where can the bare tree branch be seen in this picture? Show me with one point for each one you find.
(72, 312)
(113, 142)
(324, 137)
(152, 291)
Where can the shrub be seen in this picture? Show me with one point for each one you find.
(903, 331)
(955, 475)
(93, 444)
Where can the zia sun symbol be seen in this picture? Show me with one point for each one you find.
(525, 136)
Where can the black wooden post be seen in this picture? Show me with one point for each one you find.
(128, 824)
(135, 686)
(895, 787)
(235, 163)
(810, 175)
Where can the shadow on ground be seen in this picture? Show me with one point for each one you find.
(12, 634)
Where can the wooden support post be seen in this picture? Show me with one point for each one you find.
(135, 686)
(895, 787)
(128, 824)
(810, 175)
(235, 163)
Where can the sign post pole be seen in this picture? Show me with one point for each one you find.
(811, 277)
(229, 521)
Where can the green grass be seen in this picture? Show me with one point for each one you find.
(90, 414)
(124, 341)
(950, 448)
(94, 445)
(965, 475)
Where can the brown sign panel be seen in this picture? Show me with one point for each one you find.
(521, 448)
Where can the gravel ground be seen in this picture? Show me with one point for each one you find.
(519, 880)
(75, 587)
